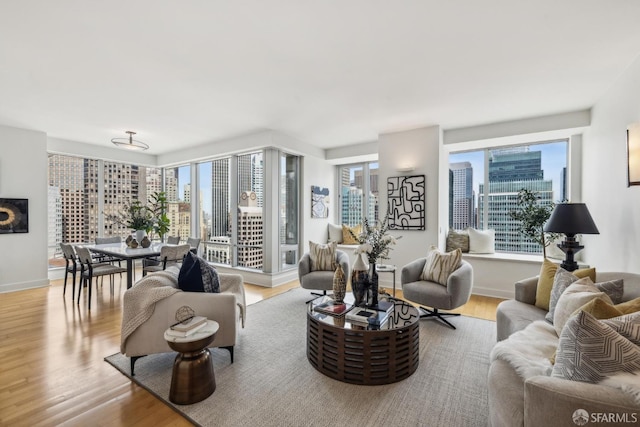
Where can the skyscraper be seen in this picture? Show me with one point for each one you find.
(250, 231)
(462, 196)
(220, 198)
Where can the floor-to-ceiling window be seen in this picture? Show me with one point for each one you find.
(177, 184)
(214, 200)
(484, 186)
(289, 208)
(250, 193)
(358, 193)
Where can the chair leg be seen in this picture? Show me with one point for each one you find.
(64, 289)
(437, 315)
(230, 348)
(90, 286)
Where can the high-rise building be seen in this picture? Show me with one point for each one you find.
(462, 196)
(510, 171)
(220, 198)
(54, 225)
(250, 231)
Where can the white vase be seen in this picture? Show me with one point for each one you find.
(140, 235)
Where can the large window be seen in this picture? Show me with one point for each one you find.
(214, 191)
(289, 208)
(484, 185)
(250, 179)
(358, 193)
(177, 184)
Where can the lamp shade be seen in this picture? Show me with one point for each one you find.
(571, 219)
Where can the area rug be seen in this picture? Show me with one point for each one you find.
(271, 383)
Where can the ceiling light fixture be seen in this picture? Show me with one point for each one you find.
(130, 143)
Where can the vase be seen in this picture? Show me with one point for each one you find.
(372, 297)
(128, 240)
(140, 235)
(339, 284)
(134, 243)
(360, 281)
(145, 242)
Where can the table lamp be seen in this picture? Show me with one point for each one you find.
(571, 219)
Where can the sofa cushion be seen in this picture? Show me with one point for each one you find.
(439, 266)
(347, 237)
(323, 257)
(590, 350)
(457, 240)
(481, 241)
(601, 309)
(197, 275)
(561, 282)
(545, 292)
(576, 295)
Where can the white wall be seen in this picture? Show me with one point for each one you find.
(614, 207)
(418, 148)
(317, 172)
(23, 174)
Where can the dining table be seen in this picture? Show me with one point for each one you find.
(125, 253)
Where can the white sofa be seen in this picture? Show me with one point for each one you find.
(520, 393)
(143, 325)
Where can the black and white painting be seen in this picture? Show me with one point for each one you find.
(406, 202)
(319, 202)
(14, 216)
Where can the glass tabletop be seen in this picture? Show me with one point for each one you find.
(392, 313)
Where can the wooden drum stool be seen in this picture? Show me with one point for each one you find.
(193, 378)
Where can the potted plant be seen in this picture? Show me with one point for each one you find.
(159, 210)
(532, 215)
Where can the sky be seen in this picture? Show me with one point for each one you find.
(554, 158)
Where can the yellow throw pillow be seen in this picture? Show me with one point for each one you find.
(347, 238)
(629, 306)
(545, 281)
(601, 309)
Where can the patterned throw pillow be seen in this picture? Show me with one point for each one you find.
(590, 350)
(572, 299)
(347, 238)
(458, 240)
(197, 275)
(439, 266)
(546, 284)
(323, 257)
(613, 289)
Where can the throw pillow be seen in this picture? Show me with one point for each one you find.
(335, 233)
(458, 240)
(546, 285)
(323, 257)
(589, 350)
(439, 266)
(572, 299)
(481, 241)
(347, 237)
(601, 309)
(197, 275)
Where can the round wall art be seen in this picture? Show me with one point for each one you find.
(14, 216)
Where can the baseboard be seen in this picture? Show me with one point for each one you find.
(21, 286)
(494, 293)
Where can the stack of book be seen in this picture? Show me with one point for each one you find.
(327, 305)
(375, 317)
(186, 328)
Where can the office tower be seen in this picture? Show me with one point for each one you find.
(250, 231)
(171, 184)
(220, 198)
(462, 195)
(187, 193)
(179, 214)
(54, 226)
(510, 171)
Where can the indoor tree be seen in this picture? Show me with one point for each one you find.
(532, 215)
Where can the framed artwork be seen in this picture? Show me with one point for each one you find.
(319, 202)
(14, 216)
(633, 154)
(406, 202)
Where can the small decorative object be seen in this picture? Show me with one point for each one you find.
(360, 280)
(339, 284)
(128, 240)
(406, 202)
(145, 242)
(133, 244)
(140, 235)
(184, 314)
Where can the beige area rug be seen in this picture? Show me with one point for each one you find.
(271, 383)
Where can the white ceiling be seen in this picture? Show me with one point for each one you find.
(327, 72)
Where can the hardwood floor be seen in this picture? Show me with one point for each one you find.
(52, 370)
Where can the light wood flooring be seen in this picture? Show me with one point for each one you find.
(52, 371)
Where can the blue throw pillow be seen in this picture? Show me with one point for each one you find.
(197, 275)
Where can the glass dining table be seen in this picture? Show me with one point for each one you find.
(125, 253)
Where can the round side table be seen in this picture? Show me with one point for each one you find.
(193, 378)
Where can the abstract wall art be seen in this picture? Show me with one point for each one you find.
(406, 202)
(319, 202)
(14, 216)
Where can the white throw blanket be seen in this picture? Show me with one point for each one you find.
(528, 351)
(142, 298)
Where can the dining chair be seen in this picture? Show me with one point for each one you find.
(89, 270)
(194, 243)
(169, 255)
(173, 240)
(72, 266)
(107, 240)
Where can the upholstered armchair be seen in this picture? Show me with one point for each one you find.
(320, 279)
(456, 293)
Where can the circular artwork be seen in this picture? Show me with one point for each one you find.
(253, 195)
(9, 215)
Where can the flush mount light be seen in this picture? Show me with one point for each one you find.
(130, 143)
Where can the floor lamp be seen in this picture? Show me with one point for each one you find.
(571, 219)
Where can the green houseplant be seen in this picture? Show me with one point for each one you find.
(532, 216)
(159, 210)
